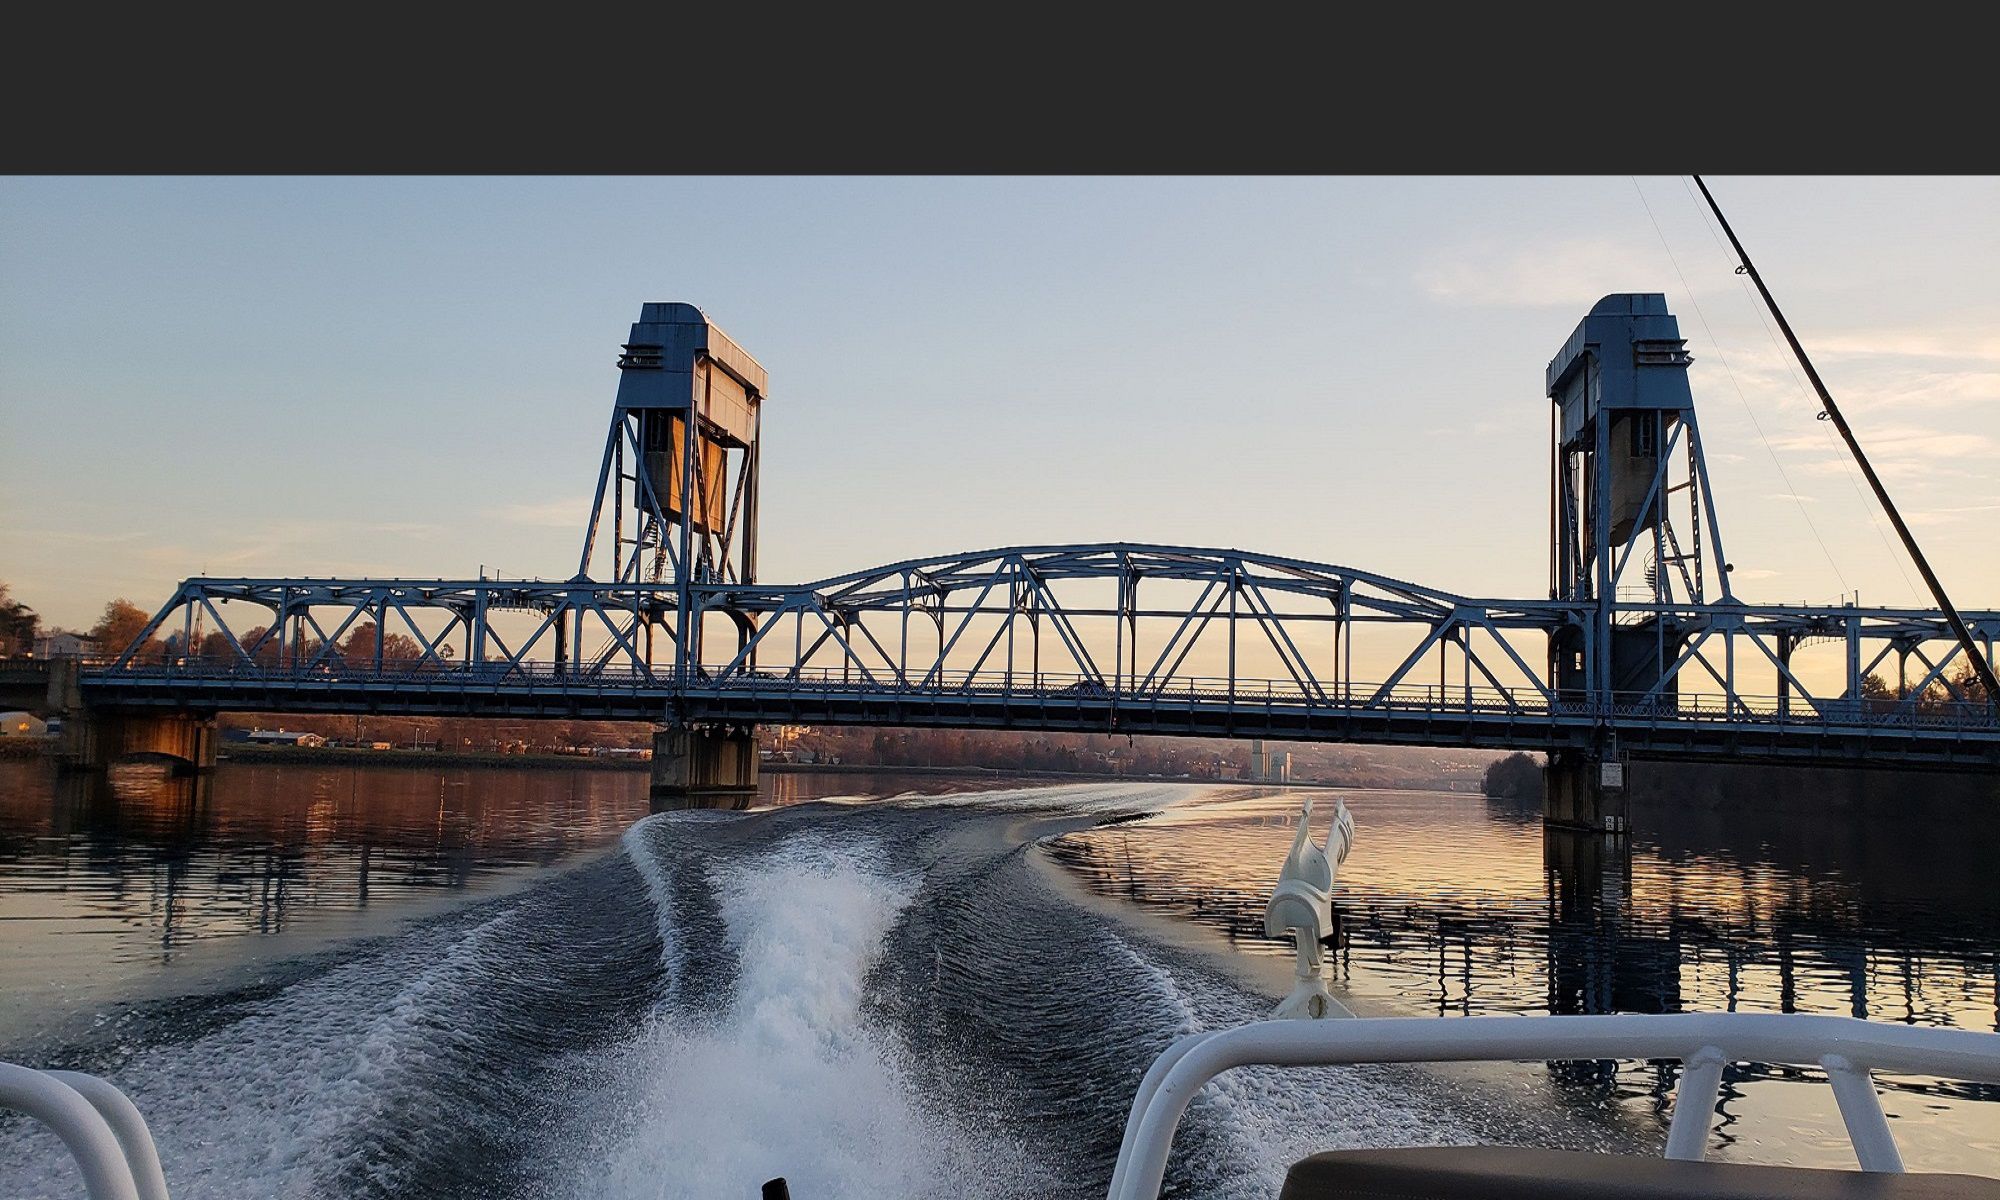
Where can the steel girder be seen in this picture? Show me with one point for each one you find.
(1135, 626)
(1414, 717)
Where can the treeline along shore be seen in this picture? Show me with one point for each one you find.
(349, 756)
(407, 740)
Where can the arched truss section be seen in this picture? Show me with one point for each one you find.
(1117, 623)
(1134, 620)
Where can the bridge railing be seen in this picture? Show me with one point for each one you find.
(1477, 700)
(1453, 698)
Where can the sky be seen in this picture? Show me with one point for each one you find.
(412, 376)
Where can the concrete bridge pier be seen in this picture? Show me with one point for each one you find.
(1585, 790)
(93, 740)
(699, 766)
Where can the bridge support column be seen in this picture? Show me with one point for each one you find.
(1584, 790)
(704, 767)
(92, 740)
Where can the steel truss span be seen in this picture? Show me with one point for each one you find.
(1122, 637)
(1641, 648)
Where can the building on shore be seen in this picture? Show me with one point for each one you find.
(1272, 766)
(276, 737)
(65, 645)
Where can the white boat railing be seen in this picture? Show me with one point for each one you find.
(103, 1130)
(1845, 1048)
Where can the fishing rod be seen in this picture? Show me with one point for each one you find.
(1980, 666)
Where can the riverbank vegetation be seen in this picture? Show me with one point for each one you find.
(1515, 777)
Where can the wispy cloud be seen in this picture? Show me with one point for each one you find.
(1866, 370)
(1569, 272)
(1479, 427)
(565, 513)
(1965, 344)
(1934, 389)
(267, 548)
(75, 537)
(1914, 442)
(1944, 516)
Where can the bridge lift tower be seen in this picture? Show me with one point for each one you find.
(1634, 542)
(678, 489)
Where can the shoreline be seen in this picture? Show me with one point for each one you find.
(354, 756)
(784, 768)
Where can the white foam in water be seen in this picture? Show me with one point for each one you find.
(659, 886)
(270, 1104)
(1274, 1116)
(1111, 798)
(790, 1080)
(638, 848)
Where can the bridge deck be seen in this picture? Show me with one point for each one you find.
(1687, 727)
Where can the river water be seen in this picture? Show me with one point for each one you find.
(523, 983)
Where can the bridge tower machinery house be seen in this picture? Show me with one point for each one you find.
(676, 504)
(1634, 539)
(1639, 651)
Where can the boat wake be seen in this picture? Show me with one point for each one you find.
(790, 1078)
(884, 1000)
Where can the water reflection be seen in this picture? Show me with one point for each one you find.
(137, 865)
(1450, 905)
(132, 882)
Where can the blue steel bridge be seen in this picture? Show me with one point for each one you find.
(1640, 650)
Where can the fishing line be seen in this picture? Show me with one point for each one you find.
(1745, 400)
(1791, 371)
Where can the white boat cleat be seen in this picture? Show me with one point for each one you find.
(1302, 905)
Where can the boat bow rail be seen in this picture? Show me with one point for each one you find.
(101, 1127)
(1845, 1048)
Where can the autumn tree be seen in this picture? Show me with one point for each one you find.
(18, 624)
(359, 646)
(120, 626)
(401, 647)
(215, 647)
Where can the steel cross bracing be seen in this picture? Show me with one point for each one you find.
(1126, 637)
(1642, 646)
